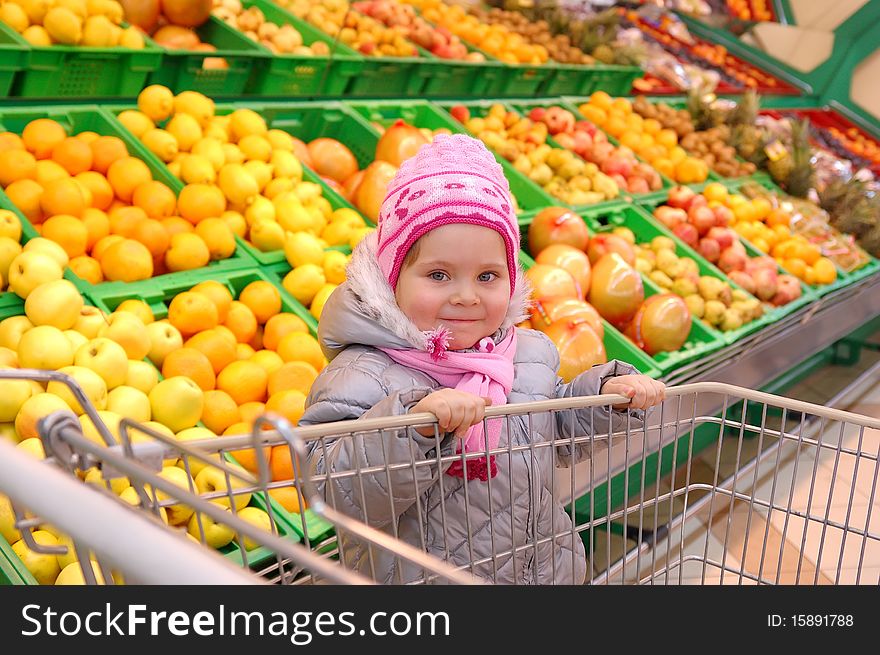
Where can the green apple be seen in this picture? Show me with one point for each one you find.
(35, 408)
(106, 358)
(9, 250)
(177, 402)
(215, 535)
(76, 339)
(56, 303)
(164, 339)
(257, 517)
(31, 269)
(141, 375)
(129, 331)
(48, 247)
(90, 321)
(109, 419)
(196, 434)
(13, 394)
(130, 496)
(178, 513)
(95, 477)
(43, 567)
(45, 347)
(92, 385)
(72, 574)
(130, 403)
(211, 479)
(11, 330)
(7, 521)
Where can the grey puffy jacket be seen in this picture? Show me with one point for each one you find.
(442, 514)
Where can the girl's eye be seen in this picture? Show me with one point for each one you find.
(437, 276)
(487, 277)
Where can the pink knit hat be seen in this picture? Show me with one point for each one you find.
(453, 179)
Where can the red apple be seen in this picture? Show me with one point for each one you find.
(687, 233)
(732, 260)
(680, 196)
(723, 216)
(701, 218)
(460, 113)
(602, 244)
(566, 141)
(709, 249)
(670, 216)
(788, 288)
(537, 114)
(724, 236)
(557, 225)
(766, 281)
(618, 165)
(744, 280)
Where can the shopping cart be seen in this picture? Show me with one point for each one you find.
(642, 507)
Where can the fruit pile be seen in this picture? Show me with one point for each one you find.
(702, 220)
(654, 142)
(497, 39)
(711, 146)
(96, 23)
(579, 278)
(757, 10)
(280, 39)
(523, 142)
(591, 144)
(103, 207)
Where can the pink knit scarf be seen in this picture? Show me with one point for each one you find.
(488, 372)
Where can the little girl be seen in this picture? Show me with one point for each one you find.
(426, 323)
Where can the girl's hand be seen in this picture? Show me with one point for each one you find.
(644, 392)
(456, 411)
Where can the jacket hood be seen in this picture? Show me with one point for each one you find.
(363, 309)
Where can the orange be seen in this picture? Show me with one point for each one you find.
(123, 220)
(241, 320)
(74, 155)
(69, 232)
(651, 126)
(25, 194)
(280, 325)
(243, 380)
(186, 252)
(10, 141)
(667, 138)
(200, 201)
(228, 334)
(247, 457)
(16, 165)
(824, 271)
(127, 174)
(268, 359)
(40, 136)
(601, 99)
(664, 166)
(156, 199)
(236, 223)
(98, 225)
(192, 312)
(105, 151)
(263, 299)
(290, 403)
(256, 341)
(191, 363)
(777, 217)
(218, 237)
(715, 191)
(281, 464)
(48, 170)
(251, 411)
(615, 127)
(243, 351)
(126, 261)
(176, 225)
(216, 346)
(288, 498)
(622, 105)
(87, 137)
(97, 184)
(62, 196)
(153, 235)
(219, 295)
(297, 346)
(795, 266)
(87, 268)
(102, 244)
(761, 208)
(292, 375)
(139, 308)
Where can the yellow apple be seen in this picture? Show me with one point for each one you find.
(56, 303)
(109, 419)
(178, 513)
(257, 517)
(195, 434)
(211, 479)
(141, 375)
(76, 339)
(35, 408)
(10, 226)
(7, 521)
(106, 358)
(215, 535)
(92, 385)
(9, 250)
(70, 555)
(43, 567)
(130, 496)
(13, 394)
(72, 574)
(177, 402)
(7, 431)
(31, 269)
(45, 347)
(164, 338)
(130, 403)
(48, 247)
(33, 446)
(128, 331)
(8, 357)
(96, 477)
(90, 321)
(11, 330)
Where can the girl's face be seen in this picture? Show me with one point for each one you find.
(458, 279)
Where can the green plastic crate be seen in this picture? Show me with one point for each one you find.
(303, 75)
(617, 346)
(59, 71)
(462, 79)
(14, 57)
(182, 70)
(573, 79)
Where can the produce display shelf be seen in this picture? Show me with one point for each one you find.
(109, 297)
(184, 70)
(583, 79)
(14, 57)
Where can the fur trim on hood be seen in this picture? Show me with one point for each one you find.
(366, 294)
